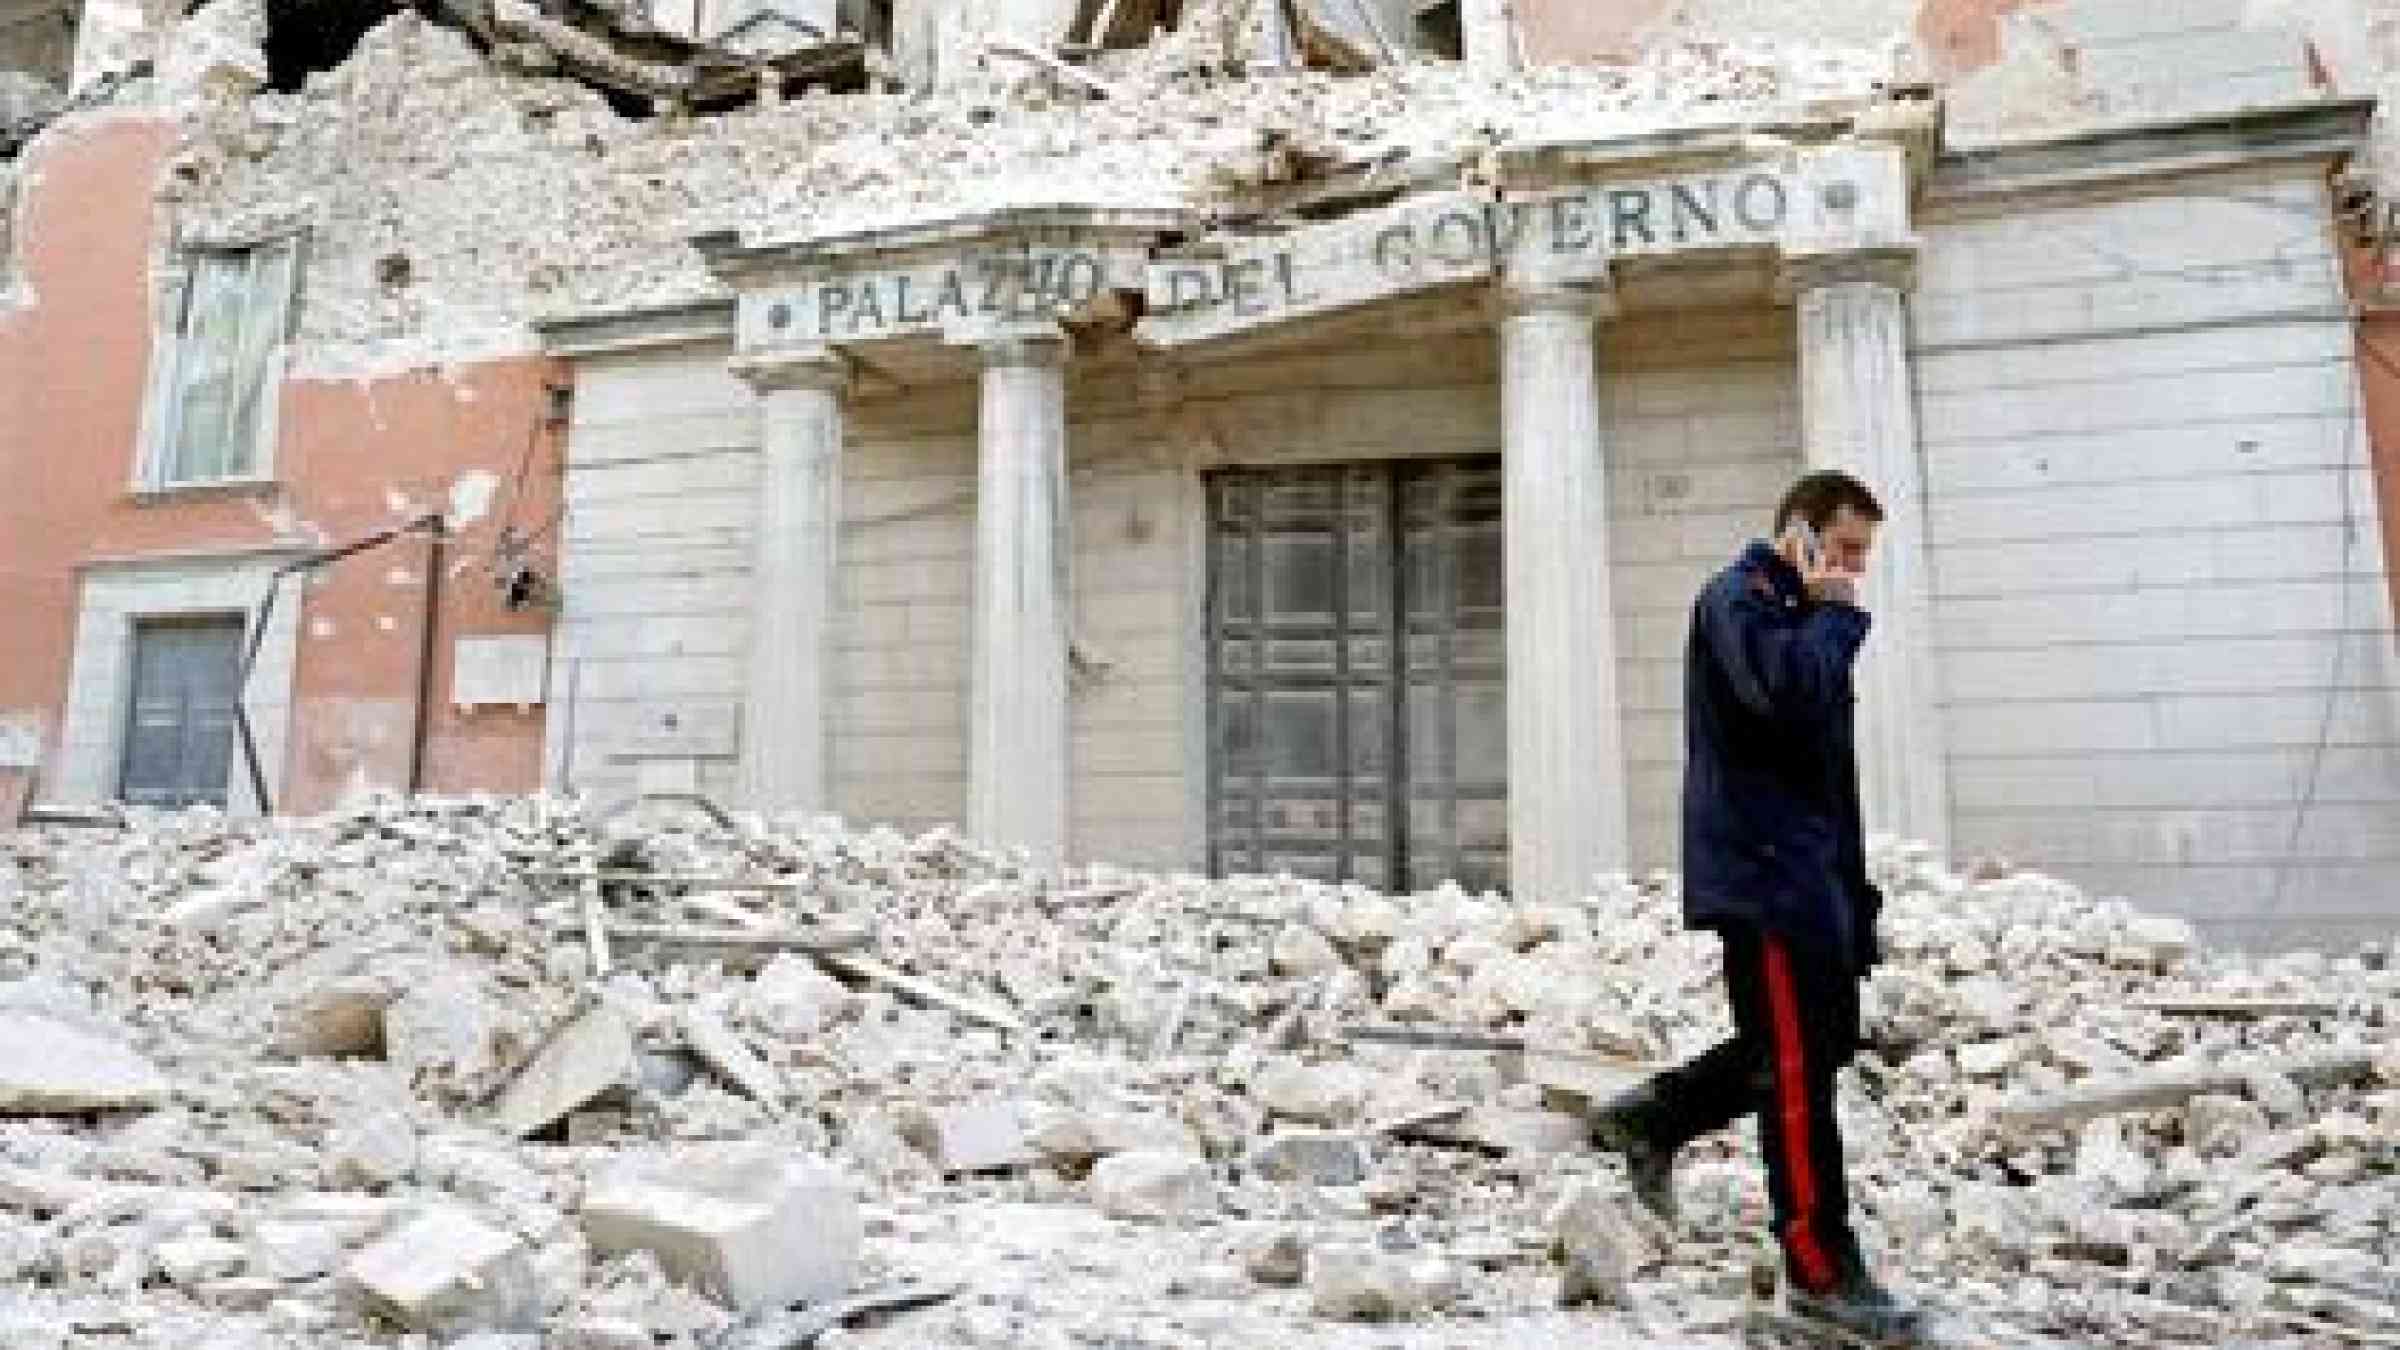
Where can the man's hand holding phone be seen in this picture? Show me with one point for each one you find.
(1826, 583)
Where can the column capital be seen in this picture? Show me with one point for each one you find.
(1525, 299)
(1893, 266)
(1009, 343)
(816, 365)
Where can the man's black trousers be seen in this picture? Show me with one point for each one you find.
(1795, 1017)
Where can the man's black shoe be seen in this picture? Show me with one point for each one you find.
(1622, 1126)
(1861, 1309)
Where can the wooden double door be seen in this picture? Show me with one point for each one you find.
(1358, 724)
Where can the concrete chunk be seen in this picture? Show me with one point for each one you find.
(193, 1261)
(448, 1273)
(1603, 1241)
(1361, 1284)
(1277, 1259)
(988, 1136)
(1315, 1094)
(1081, 1136)
(1501, 1130)
(723, 1051)
(339, 1018)
(443, 1027)
(1147, 1184)
(590, 1058)
(49, 1068)
(748, 1224)
(793, 998)
(1578, 1083)
(1301, 950)
(373, 1145)
(295, 1249)
(1318, 1158)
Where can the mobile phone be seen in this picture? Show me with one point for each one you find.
(1812, 548)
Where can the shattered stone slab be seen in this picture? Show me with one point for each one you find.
(725, 1052)
(2171, 1086)
(340, 1018)
(448, 1273)
(750, 1225)
(1356, 1283)
(1312, 1094)
(1313, 1157)
(1154, 1185)
(1600, 1247)
(1501, 1130)
(193, 1261)
(51, 1068)
(590, 1058)
(986, 1136)
(443, 1026)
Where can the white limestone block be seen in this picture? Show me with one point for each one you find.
(1151, 1184)
(448, 1273)
(748, 1224)
(49, 1068)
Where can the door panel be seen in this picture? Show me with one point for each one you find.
(179, 723)
(1322, 763)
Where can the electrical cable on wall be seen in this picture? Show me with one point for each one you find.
(2313, 776)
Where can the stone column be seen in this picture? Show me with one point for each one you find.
(794, 578)
(1566, 762)
(1859, 414)
(1017, 722)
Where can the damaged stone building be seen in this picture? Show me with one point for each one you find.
(1231, 436)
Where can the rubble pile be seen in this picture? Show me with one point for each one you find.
(482, 1072)
(514, 197)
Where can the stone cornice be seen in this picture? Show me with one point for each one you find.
(1024, 346)
(737, 261)
(1520, 299)
(1894, 266)
(573, 335)
(2316, 128)
(1545, 165)
(814, 365)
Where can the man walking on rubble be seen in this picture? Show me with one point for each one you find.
(1774, 861)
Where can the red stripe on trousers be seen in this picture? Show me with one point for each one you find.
(1791, 1090)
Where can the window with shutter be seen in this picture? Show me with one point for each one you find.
(227, 365)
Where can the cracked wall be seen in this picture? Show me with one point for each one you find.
(353, 457)
(451, 201)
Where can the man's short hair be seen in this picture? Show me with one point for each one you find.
(1818, 496)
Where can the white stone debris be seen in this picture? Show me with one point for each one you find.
(1348, 1282)
(2056, 1125)
(407, 149)
(52, 1067)
(1318, 1158)
(592, 1057)
(1147, 1184)
(749, 1224)
(448, 1272)
(1602, 1240)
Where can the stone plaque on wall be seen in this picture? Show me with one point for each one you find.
(506, 670)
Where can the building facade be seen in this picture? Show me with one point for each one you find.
(1344, 526)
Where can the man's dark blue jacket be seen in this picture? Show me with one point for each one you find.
(1771, 832)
